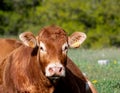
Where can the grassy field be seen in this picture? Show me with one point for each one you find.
(106, 78)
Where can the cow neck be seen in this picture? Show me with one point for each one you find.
(33, 74)
(36, 56)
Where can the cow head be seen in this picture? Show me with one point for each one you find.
(53, 44)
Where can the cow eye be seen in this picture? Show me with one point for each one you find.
(42, 47)
(65, 47)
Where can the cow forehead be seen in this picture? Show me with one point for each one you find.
(52, 33)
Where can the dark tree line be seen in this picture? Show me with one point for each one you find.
(99, 19)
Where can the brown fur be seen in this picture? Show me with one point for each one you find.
(5, 46)
(26, 76)
(23, 74)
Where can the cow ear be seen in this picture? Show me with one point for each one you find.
(76, 39)
(28, 39)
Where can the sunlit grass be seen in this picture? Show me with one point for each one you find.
(106, 78)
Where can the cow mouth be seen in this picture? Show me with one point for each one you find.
(54, 77)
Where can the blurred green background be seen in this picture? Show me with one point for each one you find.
(105, 77)
(99, 19)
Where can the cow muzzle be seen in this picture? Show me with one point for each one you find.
(55, 71)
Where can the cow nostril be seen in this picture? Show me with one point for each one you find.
(60, 69)
(55, 70)
(51, 70)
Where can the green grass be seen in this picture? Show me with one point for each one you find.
(106, 78)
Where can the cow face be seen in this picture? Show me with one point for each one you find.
(53, 46)
(52, 43)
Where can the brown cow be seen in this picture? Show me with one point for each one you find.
(71, 68)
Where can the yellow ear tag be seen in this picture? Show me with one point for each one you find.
(75, 45)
